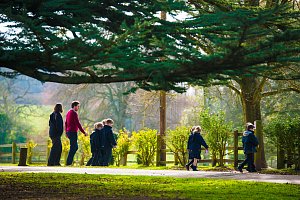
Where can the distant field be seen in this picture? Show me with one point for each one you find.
(36, 118)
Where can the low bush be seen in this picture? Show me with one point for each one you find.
(123, 144)
(145, 142)
(177, 142)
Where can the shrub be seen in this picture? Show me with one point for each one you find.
(84, 147)
(65, 147)
(30, 146)
(285, 134)
(123, 143)
(145, 142)
(177, 142)
(218, 131)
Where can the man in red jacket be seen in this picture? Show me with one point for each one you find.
(72, 125)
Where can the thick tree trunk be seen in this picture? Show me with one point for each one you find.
(251, 98)
(162, 129)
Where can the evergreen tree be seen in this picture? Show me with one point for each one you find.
(251, 84)
(114, 41)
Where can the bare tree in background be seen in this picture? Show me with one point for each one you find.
(97, 101)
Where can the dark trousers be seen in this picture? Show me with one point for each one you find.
(95, 159)
(73, 146)
(104, 156)
(55, 153)
(249, 160)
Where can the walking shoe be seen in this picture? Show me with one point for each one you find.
(194, 168)
(187, 167)
(253, 170)
(240, 169)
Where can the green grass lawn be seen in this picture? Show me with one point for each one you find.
(80, 186)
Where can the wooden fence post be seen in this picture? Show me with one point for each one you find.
(13, 152)
(48, 150)
(176, 158)
(236, 148)
(23, 156)
(123, 160)
(81, 162)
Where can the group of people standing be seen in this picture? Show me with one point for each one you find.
(102, 140)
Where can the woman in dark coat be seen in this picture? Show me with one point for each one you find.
(55, 132)
(194, 148)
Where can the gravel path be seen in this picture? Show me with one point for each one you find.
(292, 179)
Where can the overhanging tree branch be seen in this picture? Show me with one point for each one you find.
(270, 93)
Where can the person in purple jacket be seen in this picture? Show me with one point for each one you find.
(72, 125)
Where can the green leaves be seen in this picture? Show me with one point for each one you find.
(123, 143)
(218, 132)
(284, 132)
(62, 40)
(177, 142)
(145, 142)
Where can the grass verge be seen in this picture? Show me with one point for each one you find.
(86, 186)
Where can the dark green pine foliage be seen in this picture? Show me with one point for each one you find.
(114, 41)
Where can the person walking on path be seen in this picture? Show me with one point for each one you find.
(72, 125)
(94, 160)
(194, 148)
(187, 166)
(250, 143)
(107, 142)
(55, 132)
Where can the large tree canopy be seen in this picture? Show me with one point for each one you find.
(69, 41)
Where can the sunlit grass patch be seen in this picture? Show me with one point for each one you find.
(101, 186)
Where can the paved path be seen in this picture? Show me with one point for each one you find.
(293, 179)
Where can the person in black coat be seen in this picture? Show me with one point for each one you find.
(194, 148)
(106, 141)
(250, 143)
(55, 132)
(94, 160)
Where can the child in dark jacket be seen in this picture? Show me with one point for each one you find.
(250, 143)
(94, 160)
(194, 148)
(106, 142)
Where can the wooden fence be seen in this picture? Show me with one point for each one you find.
(42, 151)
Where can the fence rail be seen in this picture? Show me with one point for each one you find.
(44, 150)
